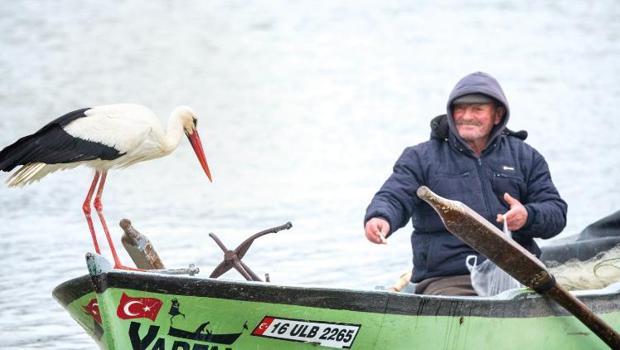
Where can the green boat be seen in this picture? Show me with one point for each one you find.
(159, 311)
(142, 310)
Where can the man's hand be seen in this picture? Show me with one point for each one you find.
(516, 217)
(376, 230)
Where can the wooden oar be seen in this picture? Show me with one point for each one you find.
(511, 257)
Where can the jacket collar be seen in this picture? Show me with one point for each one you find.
(440, 130)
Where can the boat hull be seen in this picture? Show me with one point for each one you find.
(133, 310)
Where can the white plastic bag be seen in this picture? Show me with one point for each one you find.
(487, 278)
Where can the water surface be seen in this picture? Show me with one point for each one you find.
(304, 108)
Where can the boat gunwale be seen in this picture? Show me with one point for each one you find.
(520, 303)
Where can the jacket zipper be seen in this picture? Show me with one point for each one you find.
(485, 194)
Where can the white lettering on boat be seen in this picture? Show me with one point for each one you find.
(151, 341)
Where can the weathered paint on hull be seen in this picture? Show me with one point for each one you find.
(357, 319)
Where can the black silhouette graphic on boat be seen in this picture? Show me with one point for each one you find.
(204, 335)
(175, 310)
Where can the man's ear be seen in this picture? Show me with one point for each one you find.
(500, 111)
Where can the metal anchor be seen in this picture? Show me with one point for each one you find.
(232, 258)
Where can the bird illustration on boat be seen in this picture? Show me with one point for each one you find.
(103, 138)
(175, 310)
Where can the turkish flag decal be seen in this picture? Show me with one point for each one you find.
(130, 307)
(263, 326)
(92, 308)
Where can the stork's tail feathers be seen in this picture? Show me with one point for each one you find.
(32, 172)
(13, 155)
(19, 153)
(40, 153)
(25, 174)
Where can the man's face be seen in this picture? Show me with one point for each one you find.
(475, 121)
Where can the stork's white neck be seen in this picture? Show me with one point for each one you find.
(174, 131)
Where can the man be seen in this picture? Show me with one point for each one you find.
(473, 158)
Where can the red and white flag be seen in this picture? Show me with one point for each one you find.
(263, 325)
(92, 308)
(130, 307)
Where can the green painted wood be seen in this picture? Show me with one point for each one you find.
(388, 321)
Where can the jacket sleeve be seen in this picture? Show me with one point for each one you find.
(397, 197)
(546, 210)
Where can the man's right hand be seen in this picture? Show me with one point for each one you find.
(376, 230)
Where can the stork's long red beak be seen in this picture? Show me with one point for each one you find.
(194, 139)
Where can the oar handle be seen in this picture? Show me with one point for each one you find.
(585, 315)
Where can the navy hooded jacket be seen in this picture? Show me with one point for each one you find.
(448, 166)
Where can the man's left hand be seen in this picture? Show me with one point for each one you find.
(516, 217)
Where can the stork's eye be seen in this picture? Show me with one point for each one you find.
(195, 121)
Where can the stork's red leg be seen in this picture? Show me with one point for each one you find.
(86, 210)
(99, 207)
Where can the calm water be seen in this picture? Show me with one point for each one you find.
(304, 108)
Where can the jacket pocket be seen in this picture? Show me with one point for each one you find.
(512, 184)
(457, 186)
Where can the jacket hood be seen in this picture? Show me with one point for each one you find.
(481, 83)
(440, 129)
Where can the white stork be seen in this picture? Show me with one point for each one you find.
(103, 137)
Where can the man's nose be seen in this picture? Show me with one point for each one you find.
(468, 113)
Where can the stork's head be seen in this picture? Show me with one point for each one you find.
(189, 122)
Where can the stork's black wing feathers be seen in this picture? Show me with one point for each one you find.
(52, 144)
